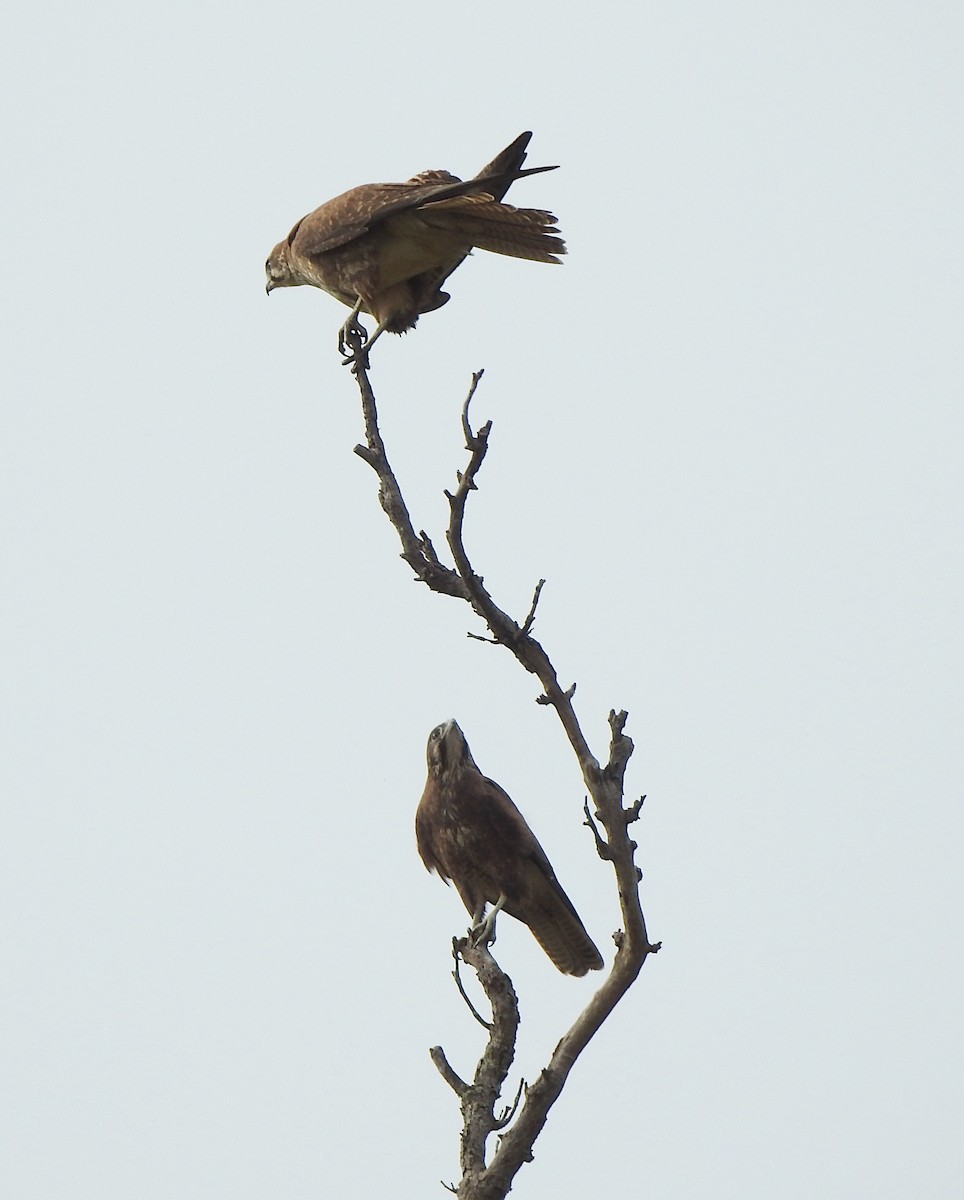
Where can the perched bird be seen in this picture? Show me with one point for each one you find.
(469, 831)
(387, 248)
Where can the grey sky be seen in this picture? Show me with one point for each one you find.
(728, 432)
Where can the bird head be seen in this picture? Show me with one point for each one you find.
(448, 752)
(278, 269)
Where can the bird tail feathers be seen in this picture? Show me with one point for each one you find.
(488, 225)
(564, 938)
(499, 175)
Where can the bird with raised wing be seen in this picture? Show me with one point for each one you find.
(387, 248)
(470, 832)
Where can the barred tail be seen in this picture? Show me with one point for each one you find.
(564, 938)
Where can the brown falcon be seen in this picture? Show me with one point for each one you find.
(387, 248)
(469, 831)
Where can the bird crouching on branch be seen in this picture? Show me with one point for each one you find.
(470, 832)
(387, 248)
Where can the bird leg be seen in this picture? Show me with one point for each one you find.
(353, 328)
(483, 928)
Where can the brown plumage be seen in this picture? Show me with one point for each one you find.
(469, 831)
(387, 248)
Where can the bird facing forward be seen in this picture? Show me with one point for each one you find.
(470, 832)
(387, 248)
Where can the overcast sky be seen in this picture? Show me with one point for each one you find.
(727, 432)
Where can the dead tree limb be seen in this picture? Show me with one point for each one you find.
(490, 1177)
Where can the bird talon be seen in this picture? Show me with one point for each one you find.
(351, 330)
(483, 934)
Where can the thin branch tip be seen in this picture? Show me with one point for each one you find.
(617, 721)
(480, 637)
(531, 615)
(466, 424)
(508, 1113)
(603, 848)
(444, 1068)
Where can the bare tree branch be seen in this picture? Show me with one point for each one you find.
(491, 1179)
(455, 1082)
(417, 551)
(479, 1119)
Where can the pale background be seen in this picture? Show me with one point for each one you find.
(727, 432)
